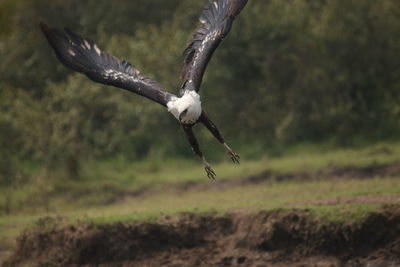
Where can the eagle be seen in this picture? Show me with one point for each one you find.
(83, 55)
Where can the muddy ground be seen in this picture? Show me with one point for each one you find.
(273, 238)
(240, 238)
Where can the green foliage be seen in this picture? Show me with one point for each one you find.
(289, 72)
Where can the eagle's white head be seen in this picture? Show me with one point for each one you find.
(186, 109)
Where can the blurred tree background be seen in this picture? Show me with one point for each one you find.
(290, 72)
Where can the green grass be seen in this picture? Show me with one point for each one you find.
(102, 180)
(252, 198)
(139, 174)
(87, 200)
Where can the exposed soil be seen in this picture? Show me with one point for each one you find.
(273, 238)
(270, 238)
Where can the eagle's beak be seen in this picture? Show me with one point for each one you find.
(183, 113)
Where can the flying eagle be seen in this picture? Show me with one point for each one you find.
(82, 55)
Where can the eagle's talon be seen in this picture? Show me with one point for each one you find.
(234, 157)
(210, 172)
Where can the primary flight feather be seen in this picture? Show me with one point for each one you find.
(214, 24)
(83, 55)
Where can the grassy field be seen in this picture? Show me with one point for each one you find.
(124, 191)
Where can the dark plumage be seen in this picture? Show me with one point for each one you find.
(214, 24)
(83, 55)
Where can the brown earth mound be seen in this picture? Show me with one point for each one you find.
(270, 238)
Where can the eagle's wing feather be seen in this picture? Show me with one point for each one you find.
(83, 55)
(214, 24)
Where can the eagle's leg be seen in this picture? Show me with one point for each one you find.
(196, 149)
(213, 129)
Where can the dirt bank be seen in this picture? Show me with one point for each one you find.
(270, 238)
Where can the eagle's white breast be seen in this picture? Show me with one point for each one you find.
(190, 101)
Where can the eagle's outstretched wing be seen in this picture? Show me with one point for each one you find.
(214, 24)
(83, 55)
